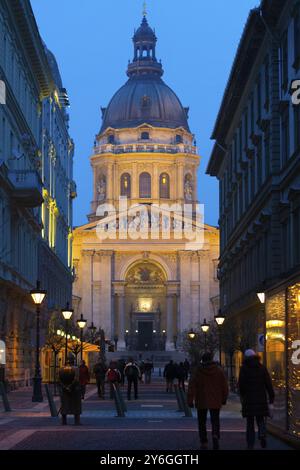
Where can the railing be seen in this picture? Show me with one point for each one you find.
(145, 148)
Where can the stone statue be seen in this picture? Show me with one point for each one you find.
(188, 189)
(101, 188)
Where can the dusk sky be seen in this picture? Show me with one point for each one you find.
(92, 42)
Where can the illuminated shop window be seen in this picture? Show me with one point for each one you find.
(294, 359)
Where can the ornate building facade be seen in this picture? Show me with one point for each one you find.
(256, 159)
(36, 188)
(144, 289)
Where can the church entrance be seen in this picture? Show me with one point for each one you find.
(145, 335)
(145, 294)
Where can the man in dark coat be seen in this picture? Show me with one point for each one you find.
(133, 375)
(100, 370)
(170, 371)
(208, 389)
(255, 387)
(84, 377)
(70, 392)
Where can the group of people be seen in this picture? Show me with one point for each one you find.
(173, 371)
(207, 390)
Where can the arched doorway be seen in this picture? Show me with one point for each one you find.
(145, 294)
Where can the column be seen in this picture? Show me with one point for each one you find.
(170, 321)
(121, 322)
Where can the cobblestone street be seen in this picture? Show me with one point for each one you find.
(151, 423)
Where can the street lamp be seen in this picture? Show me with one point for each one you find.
(67, 314)
(191, 334)
(81, 322)
(205, 328)
(37, 296)
(219, 319)
(261, 296)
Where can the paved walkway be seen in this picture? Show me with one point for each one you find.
(152, 423)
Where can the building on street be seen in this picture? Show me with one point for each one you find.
(256, 158)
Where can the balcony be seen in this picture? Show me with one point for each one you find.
(145, 148)
(27, 187)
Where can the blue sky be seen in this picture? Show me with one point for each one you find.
(91, 39)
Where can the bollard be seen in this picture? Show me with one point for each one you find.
(119, 408)
(4, 397)
(52, 405)
(187, 410)
(179, 399)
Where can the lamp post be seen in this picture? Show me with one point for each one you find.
(205, 328)
(67, 314)
(219, 319)
(81, 322)
(37, 296)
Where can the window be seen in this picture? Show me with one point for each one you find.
(258, 97)
(267, 154)
(284, 61)
(297, 127)
(297, 41)
(179, 139)
(111, 139)
(267, 83)
(125, 185)
(164, 186)
(145, 185)
(285, 144)
(145, 136)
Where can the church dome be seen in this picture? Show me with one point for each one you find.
(145, 98)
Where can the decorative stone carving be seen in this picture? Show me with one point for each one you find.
(101, 188)
(147, 273)
(188, 188)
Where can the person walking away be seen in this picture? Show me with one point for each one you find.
(121, 366)
(84, 377)
(100, 370)
(133, 375)
(187, 368)
(257, 397)
(113, 377)
(170, 374)
(148, 371)
(181, 375)
(70, 392)
(208, 389)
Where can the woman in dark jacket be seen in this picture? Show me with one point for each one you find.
(256, 392)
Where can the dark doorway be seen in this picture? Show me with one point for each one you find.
(145, 335)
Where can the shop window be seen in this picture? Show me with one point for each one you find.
(294, 359)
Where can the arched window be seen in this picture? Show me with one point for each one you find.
(179, 139)
(111, 139)
(164, 186)
(145, 185)
(125, 185)
(145, 136)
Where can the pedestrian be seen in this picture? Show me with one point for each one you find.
(121, 366)
(84, 377)
(170, 375)
(100, 370)
(208, 390)
(187, 368)
(181, 375)
(70, 392)
(133, 375)
(113, 377)
(148, 367)
(257, 397)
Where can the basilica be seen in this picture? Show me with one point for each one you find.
(138, 273)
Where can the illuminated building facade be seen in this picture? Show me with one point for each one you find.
(145, 291)
(36, 188)
(256, 159)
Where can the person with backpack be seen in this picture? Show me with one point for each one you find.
(113, 377)
(208, 390)
(181, 375)
(100, 370)
(257, 397)
(133, 375)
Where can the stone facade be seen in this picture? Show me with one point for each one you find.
(256, 160)
(36, 155)
(144, 290)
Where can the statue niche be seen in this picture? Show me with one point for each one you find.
(101, 188)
